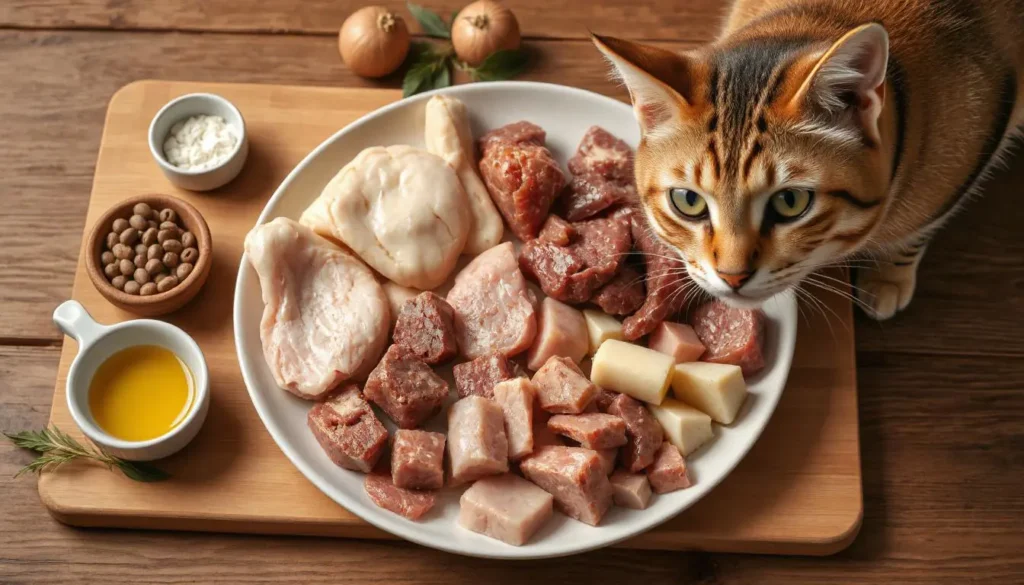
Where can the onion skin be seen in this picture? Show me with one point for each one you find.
(483, 28)
(373, 41)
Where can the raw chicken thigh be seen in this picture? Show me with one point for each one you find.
(326, 318)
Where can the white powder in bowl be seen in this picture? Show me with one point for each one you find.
(200, 142)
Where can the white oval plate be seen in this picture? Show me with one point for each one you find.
(565, 113)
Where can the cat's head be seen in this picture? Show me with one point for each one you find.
(761, 159)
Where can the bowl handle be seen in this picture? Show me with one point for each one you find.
(72, 318)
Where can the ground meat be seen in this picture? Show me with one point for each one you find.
(572, 273)
(731, 335)
(521, 176)
(408, 503)
(666, 281)
(426, 329)
(348, 430)
(405, 388)
(479, 376)
(623, 295)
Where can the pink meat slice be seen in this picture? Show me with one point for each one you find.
(516, 399)
(592, 430)
(630, 490)
(623, 294)
(643, 432)
(408, 503)
(668, 472)
(426, 329)
(478, 377)
(677, 340)
(731, 335)
(405, 388)
(575, 477)
(417, 460)
(494, 309)
(348, 430)
(505, 507)
(666, 281)
(562, 331)
(562, 388)
(477, 445)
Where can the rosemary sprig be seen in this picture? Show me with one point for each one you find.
(56, 448)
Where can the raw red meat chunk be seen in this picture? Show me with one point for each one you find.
(494, 309)
(630, 490)
(590, 193)
(623, 294)
(608, 457)
(561, 330)
(405, 388)
(521, 176)
(348, 430)
(478, 377)
(562, 388)
(505, 507)
(602, 153)
(731, 335)
(426, 329)
(575, 477)
(557, 231)
(417, 460)
(604, 399)
(409, 503)
(591, 430)
(666, 281)
(516, 397)
(572, 273)
(668, 472)
(477, 445)
(643, 432)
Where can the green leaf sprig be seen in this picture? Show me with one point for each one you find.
(55, 448)
(429, 66)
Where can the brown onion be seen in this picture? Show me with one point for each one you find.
(373, 41)
(483, 28)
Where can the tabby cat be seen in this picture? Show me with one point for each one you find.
(814, 131)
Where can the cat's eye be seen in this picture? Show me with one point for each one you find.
(688, 202)
(791, 203)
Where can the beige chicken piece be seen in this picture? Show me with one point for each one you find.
(326, 317)
(448, 136)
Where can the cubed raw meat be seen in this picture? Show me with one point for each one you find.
(408, 503)
(348, 430)
(668, 472)
(604, 399)
(562, 388)
(731, 335)
(608, 457)
(561, 331)
(591, 430)
(405, 388)
(478, 377)
(542, 435)
(590, 193)
(630, 490)
(516, 399)
(601, 152)
(477, 445)
(417, 460)
(643, 432)
(677, 340)
(426, 329)
(505, 507)
(666, 281)
(623, 294)
(575, 477)
(557, 231)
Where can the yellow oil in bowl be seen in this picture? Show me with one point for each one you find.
(141, 393)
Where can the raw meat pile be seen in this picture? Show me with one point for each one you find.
(523, 442)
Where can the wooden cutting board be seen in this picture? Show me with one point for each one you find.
(797, 492)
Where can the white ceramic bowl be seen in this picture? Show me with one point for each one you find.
(197, 104)
(98, 342)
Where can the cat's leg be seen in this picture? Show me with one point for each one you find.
(888, 286)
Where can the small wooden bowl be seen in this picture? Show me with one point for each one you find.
(160, 303)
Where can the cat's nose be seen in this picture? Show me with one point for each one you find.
(735, 280)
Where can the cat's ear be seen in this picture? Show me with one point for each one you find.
(660, 82)
(849, 75)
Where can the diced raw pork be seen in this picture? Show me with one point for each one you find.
(409, 503)
(630, 490)
(623, 294)
(405, 388)
(666, 281)
(562, 331)
(542, 435)
(478, 377)
(426, 329)
(668, 472)
(348, 430)
(505, 507)
(516, 399)
(494, 310)
(608, 457)
(575, 477)
(562, 388)
(593, 430)
(325, 318)
(643, 432)
(731, 335)
(417, 460)
(677, 340)
(477, 445)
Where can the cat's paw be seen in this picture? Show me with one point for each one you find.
(886, 289)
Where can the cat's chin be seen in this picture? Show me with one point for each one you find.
(740, 301)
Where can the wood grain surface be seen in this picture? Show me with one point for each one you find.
(940, 395)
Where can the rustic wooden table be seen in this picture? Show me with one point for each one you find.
(940, 393)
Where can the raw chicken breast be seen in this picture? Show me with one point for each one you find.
(326, 318)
